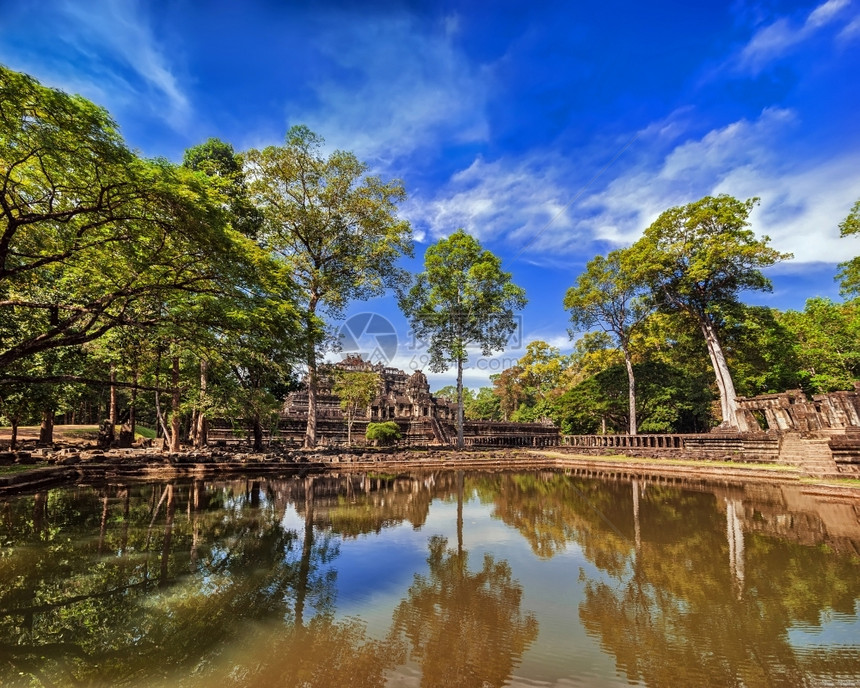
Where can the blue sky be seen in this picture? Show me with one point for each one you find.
(550, 131)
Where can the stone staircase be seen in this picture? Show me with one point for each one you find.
(811, 455)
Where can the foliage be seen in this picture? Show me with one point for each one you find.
(761, 351)
(384, 433)
(333, 226)
(356, 389)
(461, 299)
(89, 232)
(825, 336)
(609, 294)
(697, 259)
(849, 273)
(507, 388)
(484, 405)
(670, 401)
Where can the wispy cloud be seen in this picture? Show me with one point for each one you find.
(850, 32)
(409, 87)
(121, 28)
(107, 51)
(777, 38)
(514, 198)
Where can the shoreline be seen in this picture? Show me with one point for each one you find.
(135, 465)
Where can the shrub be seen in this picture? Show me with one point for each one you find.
(384, 433)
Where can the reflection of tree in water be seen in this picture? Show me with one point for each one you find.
(689, 595)
(177, 574)
(359, 504)
(676, 615)
(552, 510)
(465, 628)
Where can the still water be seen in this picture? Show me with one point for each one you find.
(429, 579)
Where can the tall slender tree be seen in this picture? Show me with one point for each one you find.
(462, 298)
(608, 295)
(336, 228)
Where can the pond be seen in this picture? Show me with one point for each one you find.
(545, 578)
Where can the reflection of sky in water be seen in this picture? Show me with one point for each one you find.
(371, 574)
(835, 629)
(376, 570)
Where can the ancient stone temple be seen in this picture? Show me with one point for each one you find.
(406, 400)
(400, 395)
(820, 435)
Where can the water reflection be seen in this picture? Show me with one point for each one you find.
(693, 596)
(197, 583)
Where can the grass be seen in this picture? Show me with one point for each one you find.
(621, 458)
(16, 468)
(141, 431)
(78, 432)
(91, 432)
(843, 482)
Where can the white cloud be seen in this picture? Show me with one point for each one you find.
(777, 38)
(515, 198)
(122, 28)
(522, 198)
(851, 31)
(825, 13)
(409, 86)
(107, 51)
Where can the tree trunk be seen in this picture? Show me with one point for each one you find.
(349, 421)
(132, 420)
(307, 549)
(460, 441)
(725, 384)
(112, 414)
(46, 431)
(631, 386)
(168, 536)
(175, 417)
(311, 432)
(13, 445)
(201, 436)
(257, 428)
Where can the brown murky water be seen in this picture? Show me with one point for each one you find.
(429, 579)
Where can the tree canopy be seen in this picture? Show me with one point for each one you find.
(608, 294)
(697, 259)
(849, 273)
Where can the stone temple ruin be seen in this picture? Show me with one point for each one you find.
(820, 435)
(405, 399)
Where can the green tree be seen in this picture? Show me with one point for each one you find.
(609, 295)
(508, 387)
(88, 231)
(385, 433)
(542, 369)
(462, 299)
(356, 389)
(449, 392)
(825, 336)
(697, 259)
(484, 406)
(220, 162)
(849, 273)
(333, 225)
